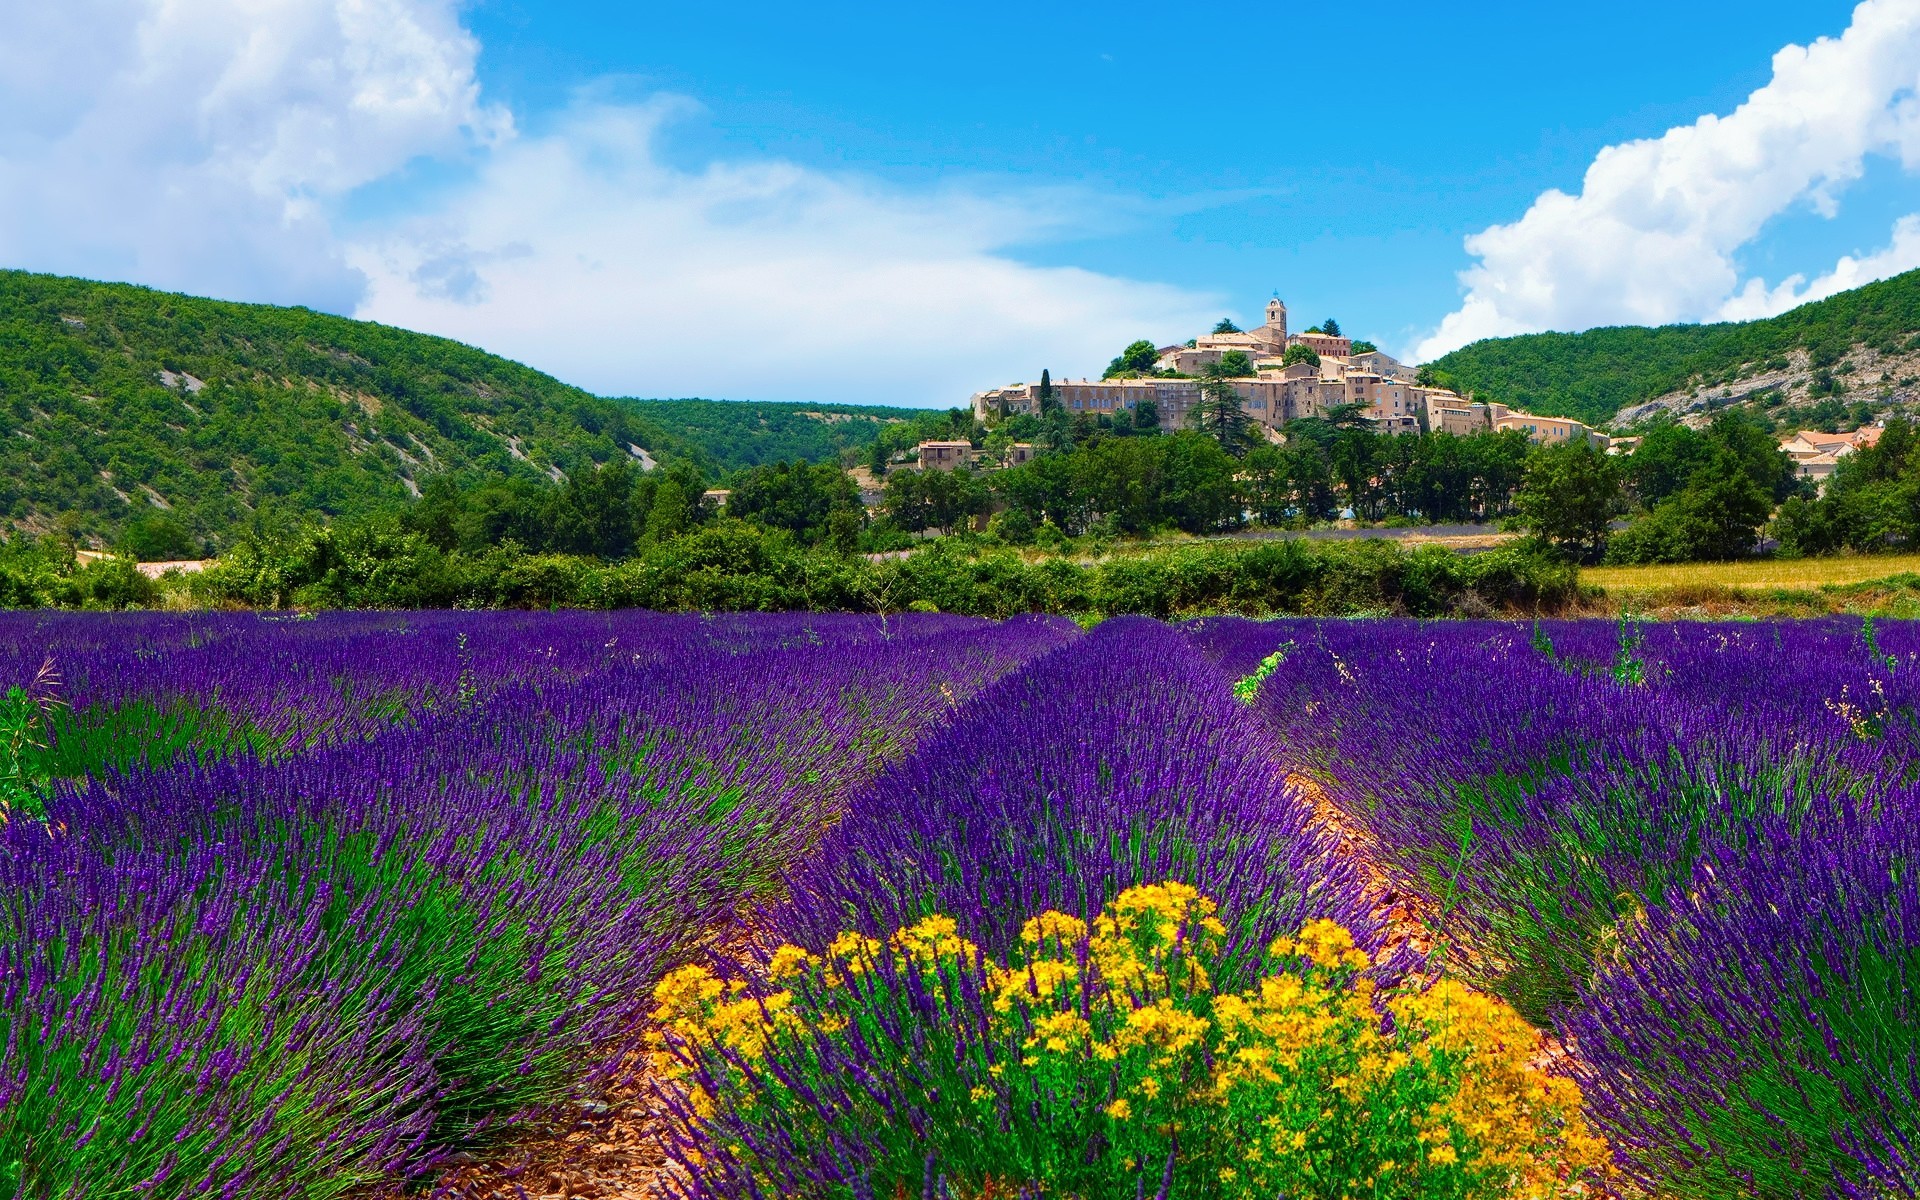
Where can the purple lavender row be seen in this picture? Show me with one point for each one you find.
(302, 680)
(1760, 1035)
(260, 977)
(1690, 847)
(1118, 760)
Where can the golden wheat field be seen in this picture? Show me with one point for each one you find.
(1796, 574)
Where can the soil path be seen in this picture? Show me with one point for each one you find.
(1411, 921)
(1408, 920)
(605, 1149)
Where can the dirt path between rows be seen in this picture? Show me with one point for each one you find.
(604, 1149)
(1408, 920)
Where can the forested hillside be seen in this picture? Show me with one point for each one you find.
(736, 433)
(165, 424)
(1593, 375)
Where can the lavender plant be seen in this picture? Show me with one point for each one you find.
(301, 970)
(1117, 760)
(1761, 1036)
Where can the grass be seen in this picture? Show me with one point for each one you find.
(1755, 575)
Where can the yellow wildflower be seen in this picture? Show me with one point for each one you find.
(789, 961)
(1053, 926)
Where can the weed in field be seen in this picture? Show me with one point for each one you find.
(25, 718)
(1099, 1060)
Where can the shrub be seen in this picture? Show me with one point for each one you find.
(1101, 1061)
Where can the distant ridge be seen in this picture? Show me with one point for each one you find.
(121, 404)
(1866, 342)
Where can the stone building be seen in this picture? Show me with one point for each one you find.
(1386, 389)
(945, 456)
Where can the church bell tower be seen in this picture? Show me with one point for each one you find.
(1277, 318)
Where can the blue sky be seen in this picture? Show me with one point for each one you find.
(1342, 165)
(906, 203)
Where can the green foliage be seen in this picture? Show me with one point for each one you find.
(811, 503)
(1332, 464)
(1225, 325)
(1299, 354)
(1129, 485)
(733, 565)
(1707, 493)
(934, 499)
(43, 573)
(1330, 327)
(603, 513)
(1592, 375)
(1137, 359)
(729, 435)
(1247, 689)
(1715, 518)
(1567, 497)
(1234, 364)
(1363, 347)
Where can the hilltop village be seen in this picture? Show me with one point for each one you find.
(1280, 377)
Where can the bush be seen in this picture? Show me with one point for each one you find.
(738, 566)
(1101, 1061)
(1014, 527)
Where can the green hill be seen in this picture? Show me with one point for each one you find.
(1594, 375)
(735, 433)
(125, 407)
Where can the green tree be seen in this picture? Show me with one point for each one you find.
(1668, 455)
(1220, 415)
(674, 511)
(1225, 325)
(158, 537)
(1299, 354)
(1138, 359)
(1234, 364)
(1768, 466)
(1200, 495)
(931, 499)
(1716, 517)
(593, 512)
(1330, 327)
(1567, 497)
(796, 497)
(1045, 397)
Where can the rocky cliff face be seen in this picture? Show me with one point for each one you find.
(1887, 383)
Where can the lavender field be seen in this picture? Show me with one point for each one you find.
(351, 905)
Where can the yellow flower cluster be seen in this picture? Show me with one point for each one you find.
(1503, 1105)
(1154, 939)
(1297, 1085)
(705, 1013)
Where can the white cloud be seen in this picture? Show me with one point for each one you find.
(1758, 300)
(213, 146)
(1652, 236)
(201, 144)
(582, 253)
